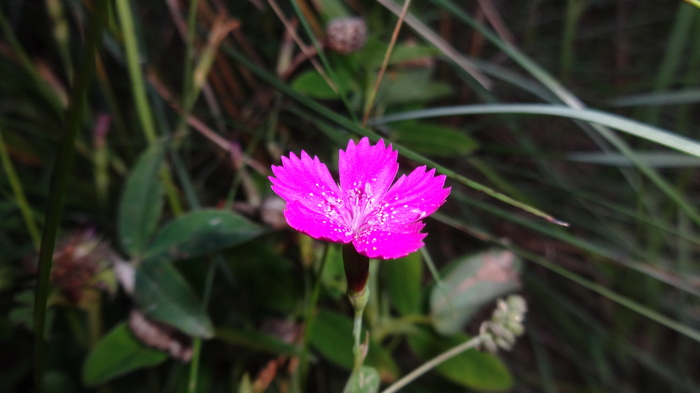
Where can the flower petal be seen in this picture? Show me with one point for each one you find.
(313, 198)
(366, 169)
(382, 244)
(414, 197)
(316, 225)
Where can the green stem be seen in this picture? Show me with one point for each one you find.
(432, 363)
(302, 371)
(357, 332)
(194, 366)
(140, 98)
(138, 87)
(59, 181)
(188, 96)
(50, 95)
(16, 186)
(356, 273)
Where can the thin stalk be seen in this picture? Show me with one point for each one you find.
(432, 363)
(302, 370)
(187, 96)
(52, 97)
(138, 87)
(18, 192)
(59, 181)
(323, 58)
(357, 333)
(675, 52)
(385, 63)
(194, 366)
(574, 10)
(197, 342)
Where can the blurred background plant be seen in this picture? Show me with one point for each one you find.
(174, 271)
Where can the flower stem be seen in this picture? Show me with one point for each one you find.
(357, 333)
(356, 273)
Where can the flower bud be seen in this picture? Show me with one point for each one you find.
(346, 35)
(505, 325)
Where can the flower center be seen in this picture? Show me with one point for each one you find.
(362, 213)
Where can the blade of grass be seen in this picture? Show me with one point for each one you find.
(632, 127)
(582, 244)
(332, 76)
(602, 290)
(671, 61)
(385, 63)
(138, 87)
(601, 135)
(59, 181)
(18, 192)
(51, 97)
(358, 130)
(432, 37)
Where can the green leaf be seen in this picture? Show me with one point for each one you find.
(331, 335)
(404, 277)
(201, 232)
(432, 139)
(118, 353)
(310, 83)
(141, 202)
(366, 380)
(471, 368)
(472, 282)
(164, 295)
(412, 85)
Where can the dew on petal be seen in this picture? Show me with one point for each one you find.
(382, 219)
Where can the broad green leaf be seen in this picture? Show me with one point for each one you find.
(331, 335)
(310, 83)
(199, 233)
(164, 295)
(412, 85)
(332, 9)
(141, 202)
(472, 282)
(365, 380)
(472, 368)
(432, 139)
(403, 278)
(118, 353)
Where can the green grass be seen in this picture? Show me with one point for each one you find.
(577, 151)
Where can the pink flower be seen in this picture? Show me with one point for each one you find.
(380, 219)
